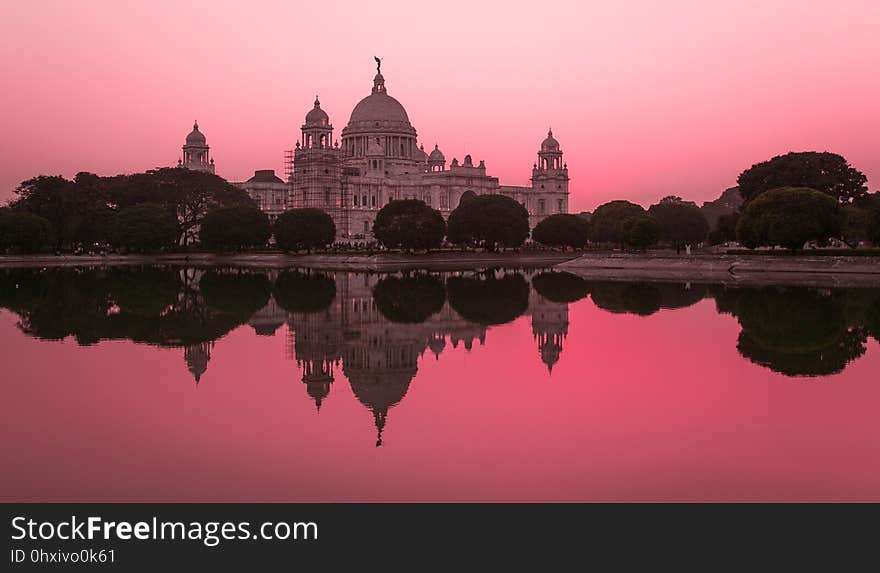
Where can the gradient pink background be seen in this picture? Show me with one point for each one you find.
(685, 419)
(647, 98)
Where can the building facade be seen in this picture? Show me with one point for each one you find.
(269, 192)
(379, 160)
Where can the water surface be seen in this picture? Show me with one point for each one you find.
(173, 384)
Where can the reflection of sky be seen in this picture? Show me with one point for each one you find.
(637, 408)
(647, 98)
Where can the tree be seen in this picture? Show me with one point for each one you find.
(562, 230)
(409, 224)
(187, 193)
(239, 292)
(143, 227)
(489, 300)
(490, 221)
(789, 217)
(797, 332)
(680, 222)
(560, 286)
(409, 299)
(24, 232)
(725, 229)
(605, 224)
(640, 232)
(308, 229)
(873, 230)
(306, 292)
(239, 227)
(825, 172)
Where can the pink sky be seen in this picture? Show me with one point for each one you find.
(647, 98)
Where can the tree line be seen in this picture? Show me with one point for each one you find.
(788, 201)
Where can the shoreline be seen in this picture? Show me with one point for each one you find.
(661, 266)
(750, 270)
(389, 262)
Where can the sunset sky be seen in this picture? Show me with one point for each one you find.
(647, 98)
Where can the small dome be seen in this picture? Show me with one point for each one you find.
(316, 115)
(195, 137)
(550, 144)
(437, 155)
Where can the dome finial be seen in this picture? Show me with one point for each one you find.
(196, 125)
(317, 102)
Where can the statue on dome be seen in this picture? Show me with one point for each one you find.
(378, 64)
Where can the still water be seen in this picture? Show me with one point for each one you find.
(184, 384)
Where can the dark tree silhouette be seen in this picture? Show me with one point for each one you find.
(236, 291)
(560, 287)
(490, 221)
(640, 232)
(825, 172)
(143, 228)
(409, 224)
(643, 299)
(23, 232)
(488, 300)
(605, 224)
(297, 291)
(409, 299)
(680, 222)
(789, 217)
(307, 229)
(562, 230)
(797, 332)
(235, 228)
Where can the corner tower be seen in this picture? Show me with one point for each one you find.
(196, 152)
(315, 176)
(549, 181)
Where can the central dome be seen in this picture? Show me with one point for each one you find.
(379, 107)
(379, 110)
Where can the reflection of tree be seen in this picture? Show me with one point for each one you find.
(645, 298)
(631, 298)
(144, 291)
(561, 287)
(160, 306)
(297, 291)
(236, 291)
(677, 295)
(872, 320)
(489, 300)
(409, 299)
(797, 332)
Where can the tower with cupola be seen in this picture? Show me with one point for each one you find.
(549, 182)
(196, 153)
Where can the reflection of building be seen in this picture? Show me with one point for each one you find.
(380, 358)
(197, 357)
(379, 160)
(549, 327)
(195, 152)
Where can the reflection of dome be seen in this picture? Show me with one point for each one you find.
(550, 144)
(195, 137)
(437, 343)
(316, 115)
(437, 155)
(379, 390)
